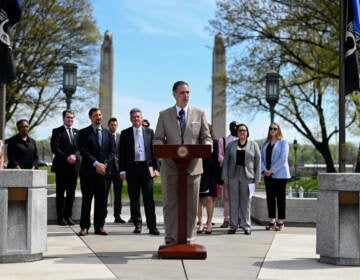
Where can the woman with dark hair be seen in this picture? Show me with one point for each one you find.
(241, 167)
(208, 187)
(275, 168)
(22, 151)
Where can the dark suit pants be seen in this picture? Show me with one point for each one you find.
(117, 190)
(92, 185)
(138, 178)
(65, 182)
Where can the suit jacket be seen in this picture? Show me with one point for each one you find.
(115, 161)
(62, 148)
(91, 151)
(252, 161)
(196, 132)
(127, 148)
(279, 159)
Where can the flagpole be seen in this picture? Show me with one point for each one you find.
(342, 147)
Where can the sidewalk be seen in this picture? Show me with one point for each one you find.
(124, 255)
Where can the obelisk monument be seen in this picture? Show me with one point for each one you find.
(106, 94)
(218, 112)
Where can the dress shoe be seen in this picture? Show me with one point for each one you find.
(118, 220)
(101, 231)
(225, 224)
(61, 222)
(231, 231)
(83, 232)
(130, 221)
(247, 231)
(69, 221)
(137, 229)
(154, 231)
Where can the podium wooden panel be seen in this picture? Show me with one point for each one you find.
(182, 155)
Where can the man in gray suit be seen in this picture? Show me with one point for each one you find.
(181, 124)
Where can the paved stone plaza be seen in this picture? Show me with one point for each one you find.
(124, 255)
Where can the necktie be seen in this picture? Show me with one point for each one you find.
(99, 136)
(71, 136)
(182, 121)
(137, 145)
(114, 137)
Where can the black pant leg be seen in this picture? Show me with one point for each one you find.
(134, 195)
(270, 197)
(149, 203)
(280, 185)
(60, 191)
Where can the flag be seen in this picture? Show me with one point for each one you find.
(356, 9)
(10, 13)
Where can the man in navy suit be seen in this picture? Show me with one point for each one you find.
(115, 178)
(97, 149)
(138, 167)
(66, 164)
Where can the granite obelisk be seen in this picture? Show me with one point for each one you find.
(106, 94)
(218, 112)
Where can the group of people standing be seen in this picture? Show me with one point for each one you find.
(101, 156)
(243, 164)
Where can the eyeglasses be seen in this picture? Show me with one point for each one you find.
(23, 126)
(242, 130)
(273, 128)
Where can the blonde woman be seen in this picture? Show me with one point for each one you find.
(275, 169)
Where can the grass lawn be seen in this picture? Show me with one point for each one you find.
(308, 182)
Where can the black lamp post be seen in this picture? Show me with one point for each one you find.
(272, 91)
(69, 80)
(295, 146)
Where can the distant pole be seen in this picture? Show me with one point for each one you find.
(342, 147)
(2, 109)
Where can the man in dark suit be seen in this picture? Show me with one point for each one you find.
(97, 150)
(138, 167)
(114, 169)
(66, 164)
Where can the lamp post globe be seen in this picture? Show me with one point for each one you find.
(272, 91)
(69, 80)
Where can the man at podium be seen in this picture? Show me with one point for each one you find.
(181, 124)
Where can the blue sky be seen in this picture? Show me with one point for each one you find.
(157, 42)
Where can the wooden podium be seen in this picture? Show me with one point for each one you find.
(182, 155)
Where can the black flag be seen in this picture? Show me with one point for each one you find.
(351, 57)
(9, 14)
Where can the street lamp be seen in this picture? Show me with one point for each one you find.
(272, 91)
(295, 146)
(69, 80)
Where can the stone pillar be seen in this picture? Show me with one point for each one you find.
(218, 112)
(106, 95)
(23, 215)
(337, 226)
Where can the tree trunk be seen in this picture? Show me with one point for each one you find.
(324, 150)
(357, 168)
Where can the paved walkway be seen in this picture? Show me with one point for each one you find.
(124, 255)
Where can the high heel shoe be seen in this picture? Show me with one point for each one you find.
(208, 229)
(200, 229)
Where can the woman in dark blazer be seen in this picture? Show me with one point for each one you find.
(22, 151)
(241, 167)
(275, 168)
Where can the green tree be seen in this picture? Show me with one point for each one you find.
(48, 33)
(300, 40)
